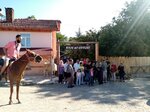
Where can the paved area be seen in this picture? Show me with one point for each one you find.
(33, 80)
(131, 96)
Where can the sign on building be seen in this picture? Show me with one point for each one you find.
(77, 47)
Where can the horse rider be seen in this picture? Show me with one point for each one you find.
(11, 50)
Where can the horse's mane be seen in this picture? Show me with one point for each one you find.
(20, 62)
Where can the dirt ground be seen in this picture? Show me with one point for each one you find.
(129, 96)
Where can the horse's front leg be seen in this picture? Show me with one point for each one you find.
(11, 92)
(17, 90)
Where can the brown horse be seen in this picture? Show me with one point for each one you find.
(16, 69)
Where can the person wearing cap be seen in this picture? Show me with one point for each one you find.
(11, 50)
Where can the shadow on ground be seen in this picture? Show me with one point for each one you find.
(109, 93)
(148, 102)
(4, 105)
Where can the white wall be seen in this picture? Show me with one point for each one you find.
(38, 39)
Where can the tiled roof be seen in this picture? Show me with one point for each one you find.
(30, 25)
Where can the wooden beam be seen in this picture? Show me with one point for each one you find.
(77, 42)
(96, 51)
(58, 51)
(96, 47)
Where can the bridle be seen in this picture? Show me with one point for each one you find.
(28, 57)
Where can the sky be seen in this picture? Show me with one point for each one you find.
(73, 14)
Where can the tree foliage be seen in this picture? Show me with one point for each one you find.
(31, 17)
(61, 37)
(78, 34)
(90, 36)
(127, 35)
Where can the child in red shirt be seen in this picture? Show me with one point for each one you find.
(113, 71)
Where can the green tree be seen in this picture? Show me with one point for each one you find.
(90, 36)
(128, 34)
(78, 34)
(61, 37)
(31, 17)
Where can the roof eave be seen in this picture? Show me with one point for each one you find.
(28, 29)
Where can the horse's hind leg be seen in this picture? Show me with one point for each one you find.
(11, 92)
(5, 75)
(0, 77)
(17, 90)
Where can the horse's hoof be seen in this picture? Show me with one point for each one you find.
(19, 102)
(10, 102)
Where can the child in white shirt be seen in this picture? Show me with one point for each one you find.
(78, 74)
(82, 72)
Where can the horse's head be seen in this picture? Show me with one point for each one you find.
(32, 56)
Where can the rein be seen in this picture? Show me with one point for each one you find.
(28, 58)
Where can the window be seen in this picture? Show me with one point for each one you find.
(26, 43)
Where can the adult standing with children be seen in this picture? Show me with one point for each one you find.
(70, 73)
(61, 71)
(121, 72)
(104, 66)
